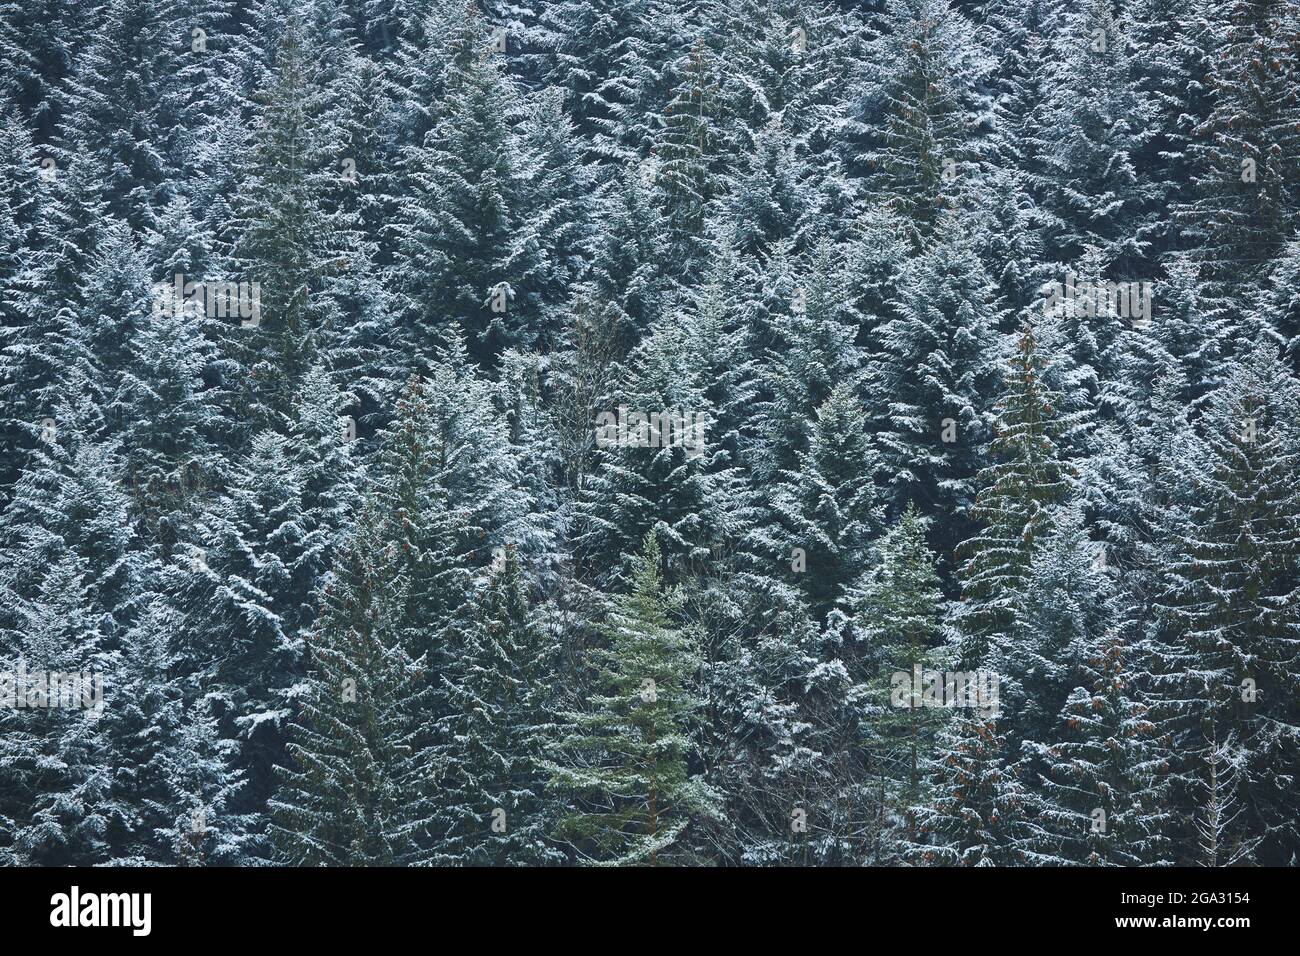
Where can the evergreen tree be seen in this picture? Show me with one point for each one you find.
(933, 385)
(627, 278)
(1103, 799)
(57, 762)
(627, 756)
(1279, 306)
(909, 132)
(121, 105)
(1226, 643)
(812, 350)
(976, 812)
(674, 470)
(353, 792)
(827, 507)
(287, 241)
(476, 297)
(1186, 331)
(1104, 123)
(203, 829)
(492, 805)
(1025, 478)
(1244, 152)
(457, 231)
(895, 625)
(685, 161)
(1039, 659)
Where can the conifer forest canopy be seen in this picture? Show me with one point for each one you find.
(679, 432)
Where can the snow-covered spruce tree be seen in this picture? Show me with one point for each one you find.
(1217, 841)
(1073, 717)
(677, 475)
(449, 490)
(366, 145)
(1007, 229)
(57, 762)
(1087, 341)
(52, 359)
(1279, 302)
(172, 769)
(686, 161)
(787, 65)
(1025, 478)
(457, 232)
(325, 453)
(168, 420)
(519, 399)
(1176, 40)
(491, 806)
(875, 249)
(454, 417)
(784, 740)
(355, 301)
(623, 292)
(552, 241)
(114, 302)
(431, 534)
(827, 506)
(908, 132)
(626, 756)
(243, 601)
(717, 328)
(1244, 154)
(1012, 194)
(582, 383)
(1019, 37)
(893, 616)
(142, 716)
(202, 828)
(588, 51)
(287, 241)
(447, 482)
(1157, 444)
(354, 792)
(1227, 639)
(249, 575)
(44, 360)
(437, 40)
(1185, 331)
(1102, 121)
(1102, 799)
(763, 50)
(203, 40)
(24, 207)
(650, 77)
(627, 276)
(1062, 608)
(932, 388)
(71, 502)
(770, 198)
(614, 60)
(812, 351)
(975, 811)
(37, 41)
(121, 108)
